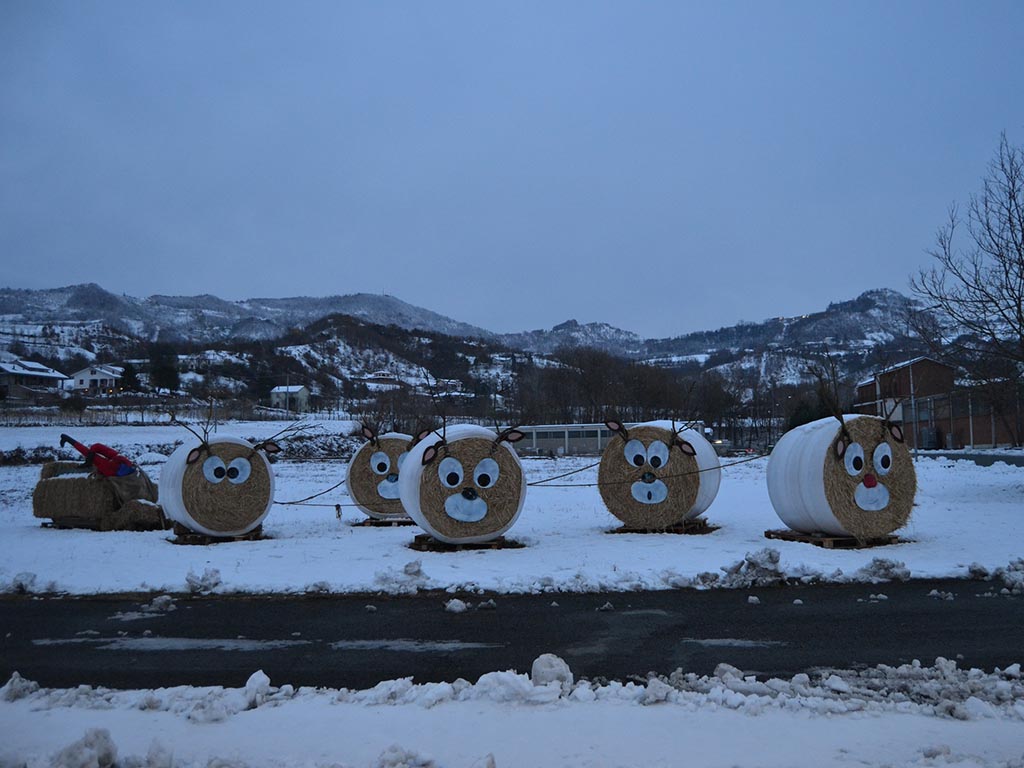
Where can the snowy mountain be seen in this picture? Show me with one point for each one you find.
(371, 332)
(208, 318)
(573, 334)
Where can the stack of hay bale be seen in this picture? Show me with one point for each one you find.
(72, 496)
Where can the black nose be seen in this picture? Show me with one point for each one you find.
(469, 493)
(648, 477)
(392, 478)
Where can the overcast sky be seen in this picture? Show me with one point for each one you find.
(664, 167)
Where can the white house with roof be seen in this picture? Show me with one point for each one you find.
(25, 378)
(294, 397)
(97, 378)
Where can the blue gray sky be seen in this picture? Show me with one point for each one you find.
(661, 166)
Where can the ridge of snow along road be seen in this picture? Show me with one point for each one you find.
(965, 523)
(903, 715)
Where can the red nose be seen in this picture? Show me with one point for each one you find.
(870, 481)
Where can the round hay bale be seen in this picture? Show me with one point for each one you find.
(860, 483)
(466, 489)
(227, 488)
(373, 472)
(653, 478)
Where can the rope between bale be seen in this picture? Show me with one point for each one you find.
(315, 495)
(622, 482)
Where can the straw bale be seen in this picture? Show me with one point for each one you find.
(137, 515)
(74, 499)
(58, 468)
(227, 507)
(366, 486)
(503, 499)
(901, 482)
(616, 478)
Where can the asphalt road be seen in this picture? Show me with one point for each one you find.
(338, 642)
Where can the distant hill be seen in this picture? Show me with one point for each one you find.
(372, 330)
(211, 319)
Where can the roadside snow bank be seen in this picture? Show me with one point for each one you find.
(186, 726)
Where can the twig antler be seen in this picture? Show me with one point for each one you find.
(827, 377)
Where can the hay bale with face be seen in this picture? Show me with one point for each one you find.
(853, 477)
(466, 487)
(373, 472)
(220, 487)
(653, 477)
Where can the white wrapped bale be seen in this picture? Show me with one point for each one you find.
(223, 487)
(854, 478)
(653, 476)
(373, 473)
(466, 488)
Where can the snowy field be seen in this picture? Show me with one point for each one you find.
(965, 516)
(967, 522)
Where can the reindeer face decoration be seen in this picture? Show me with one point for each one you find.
(222, 487)
(870, 466)
(467, 487)
(854, 478)
(373, 473)
(652, 477)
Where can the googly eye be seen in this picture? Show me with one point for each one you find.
(239, 470)
(214, 469)
(401, 459)
(853, 458)
(882, 458)
(635, 452)
(657, 454)
(486, 473)
(380, 463)
(450, 472)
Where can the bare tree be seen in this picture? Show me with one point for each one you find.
(977, 290)
(980, 288)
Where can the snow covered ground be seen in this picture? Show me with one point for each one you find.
(967, 521)
(965, 515)
(886, 716)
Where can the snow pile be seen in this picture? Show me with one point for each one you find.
(943, 690)
(203, 723)
(549, 668)
(96, 748)
(205, 584)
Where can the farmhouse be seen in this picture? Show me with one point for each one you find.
(97, 378)
(20, 379)
(294, 397)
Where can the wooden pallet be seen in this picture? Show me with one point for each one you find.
(697, 527)
(833, 542)
(184, 536)
(373, 522)
(424, 542)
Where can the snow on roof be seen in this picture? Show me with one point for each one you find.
(899, 366)
(115, 371)
(290, 389)
(19, 367)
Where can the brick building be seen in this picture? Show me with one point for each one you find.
(922, 395)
